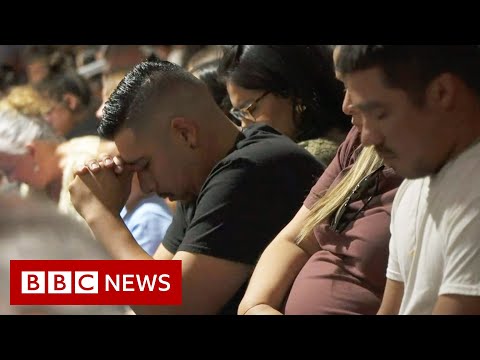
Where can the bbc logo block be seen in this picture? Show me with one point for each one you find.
(60, 282)
(95, 282)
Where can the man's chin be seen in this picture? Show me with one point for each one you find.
(407, 172)
(168, 196)
(178, 197)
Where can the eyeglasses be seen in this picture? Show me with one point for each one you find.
(363, 189)
(246, 112)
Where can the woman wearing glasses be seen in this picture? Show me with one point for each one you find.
(332, 257)
(292, 88)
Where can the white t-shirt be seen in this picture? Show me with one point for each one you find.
(435, 226)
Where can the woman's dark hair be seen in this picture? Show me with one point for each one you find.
(304, 73)
(208, 73)
(8, 78)
(60, 82)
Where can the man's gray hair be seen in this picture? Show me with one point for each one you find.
(18, 130)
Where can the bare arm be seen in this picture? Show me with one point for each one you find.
(457, 305)
(163, 254)
(277, 268)
(112, 232)
(208, 284)
(392, 298)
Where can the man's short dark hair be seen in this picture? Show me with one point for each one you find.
(413, 67)
(139, 91)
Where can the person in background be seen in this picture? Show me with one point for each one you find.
(39, 60)
(31, 230)
(293, 89)
(71, 97)
(33, 155)
(208, 73)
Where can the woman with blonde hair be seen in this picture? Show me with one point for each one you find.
(332, 257)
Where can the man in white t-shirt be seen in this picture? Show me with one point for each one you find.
(419, 105)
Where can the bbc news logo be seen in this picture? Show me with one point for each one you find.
(95, 282)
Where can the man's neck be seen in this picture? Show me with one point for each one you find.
(468, 130)
(216, 148)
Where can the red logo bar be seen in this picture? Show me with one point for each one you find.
(95, 282)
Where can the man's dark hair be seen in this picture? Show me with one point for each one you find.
(142, 87)
(413, 67)
(302, 72)
(208, 73)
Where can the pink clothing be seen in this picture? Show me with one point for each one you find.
(348, 275)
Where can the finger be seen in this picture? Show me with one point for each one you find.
(106, 158)
(118, 170)
(126, 175)
(118, 160)
(119, 165)
(93, 166)
(107, 162)
(81, 169)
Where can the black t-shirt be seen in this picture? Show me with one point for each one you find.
(248, 197)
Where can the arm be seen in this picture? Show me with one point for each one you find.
(208, 284)
(394, 288)
(392, 298)
(457, 305)
(98, 194)
(459, 293)
(277, 268)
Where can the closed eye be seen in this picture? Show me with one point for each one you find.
(380, 115)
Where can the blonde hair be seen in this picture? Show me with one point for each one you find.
(27, 101)
(367, 161)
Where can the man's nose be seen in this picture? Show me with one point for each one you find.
(346, 105)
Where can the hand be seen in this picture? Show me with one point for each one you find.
(101, 185)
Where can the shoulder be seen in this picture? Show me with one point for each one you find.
(408, 190)
(455, 187)
(263, 145)
(323, 149)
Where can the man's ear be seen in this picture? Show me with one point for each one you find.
(70, 101)
(185, 130)
(32, 149)
(441, 91)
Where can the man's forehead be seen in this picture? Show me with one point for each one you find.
(129, 144)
